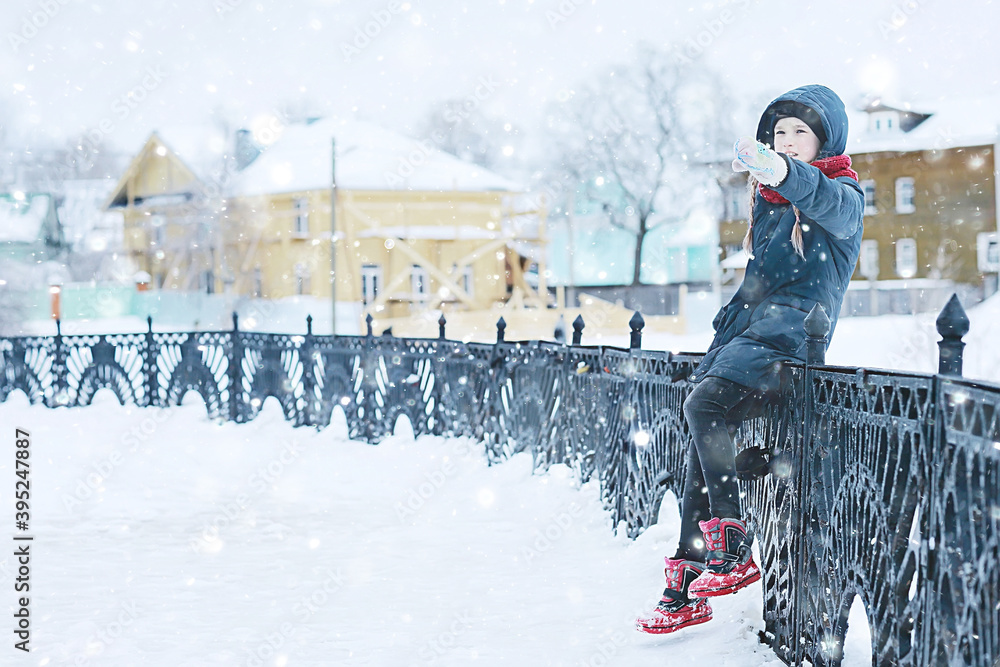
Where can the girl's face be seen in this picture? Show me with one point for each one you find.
(795, 139)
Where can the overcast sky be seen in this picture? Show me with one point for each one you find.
(69, 65)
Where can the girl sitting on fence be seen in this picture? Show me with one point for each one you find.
(803, 243)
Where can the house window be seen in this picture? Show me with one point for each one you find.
(468, 281)
(884, 121)
(868, 187)
(207, 280)
(988, 252)
(418, 282)
(300, 225)
(906, 258)
(736, 203)
(158, 232)
(904, 195)
(301, 279)
(464, 278)
(371, 282)
(258, 283)
(869, 259)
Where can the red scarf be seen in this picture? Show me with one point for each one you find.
(832, 167)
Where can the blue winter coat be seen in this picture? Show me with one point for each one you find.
(761, 327)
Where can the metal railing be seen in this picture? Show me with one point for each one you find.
(882, 485)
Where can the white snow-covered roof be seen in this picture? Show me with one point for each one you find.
(737, 261)
(368, 158)
(203, 149)
(953, 123)
(200, 147)
(81, 213)
(21, 220)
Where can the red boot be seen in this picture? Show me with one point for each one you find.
(730, 561)
(675, 609)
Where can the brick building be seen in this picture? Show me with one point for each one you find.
(929, 173)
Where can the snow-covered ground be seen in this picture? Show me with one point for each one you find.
(166, 538)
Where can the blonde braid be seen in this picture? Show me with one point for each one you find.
(797, 243)
(797, 235)
(748, 239)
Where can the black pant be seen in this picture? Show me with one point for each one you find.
(714, 409)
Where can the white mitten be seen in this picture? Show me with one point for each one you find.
(764, 164)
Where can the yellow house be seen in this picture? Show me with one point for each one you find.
(168, 197)
(417, 231)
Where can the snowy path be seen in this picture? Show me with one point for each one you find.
(162, 538)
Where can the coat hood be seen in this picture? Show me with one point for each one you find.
(824, 102)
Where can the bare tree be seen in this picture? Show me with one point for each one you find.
(641, 139)
(460, 127)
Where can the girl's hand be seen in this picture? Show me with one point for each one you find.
(764, 164)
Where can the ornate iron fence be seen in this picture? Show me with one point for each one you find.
(882, 485)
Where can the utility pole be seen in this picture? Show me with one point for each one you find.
(333, 234)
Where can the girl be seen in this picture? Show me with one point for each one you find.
(804, 239)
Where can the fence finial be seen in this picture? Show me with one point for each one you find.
(441, 323)
(636, 324)
(236, 321)
(149, 323)
(817, 326)
(578, 329)
(501, 328)
(952, 324)
(309, 325)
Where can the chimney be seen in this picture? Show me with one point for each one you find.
(246, 149)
